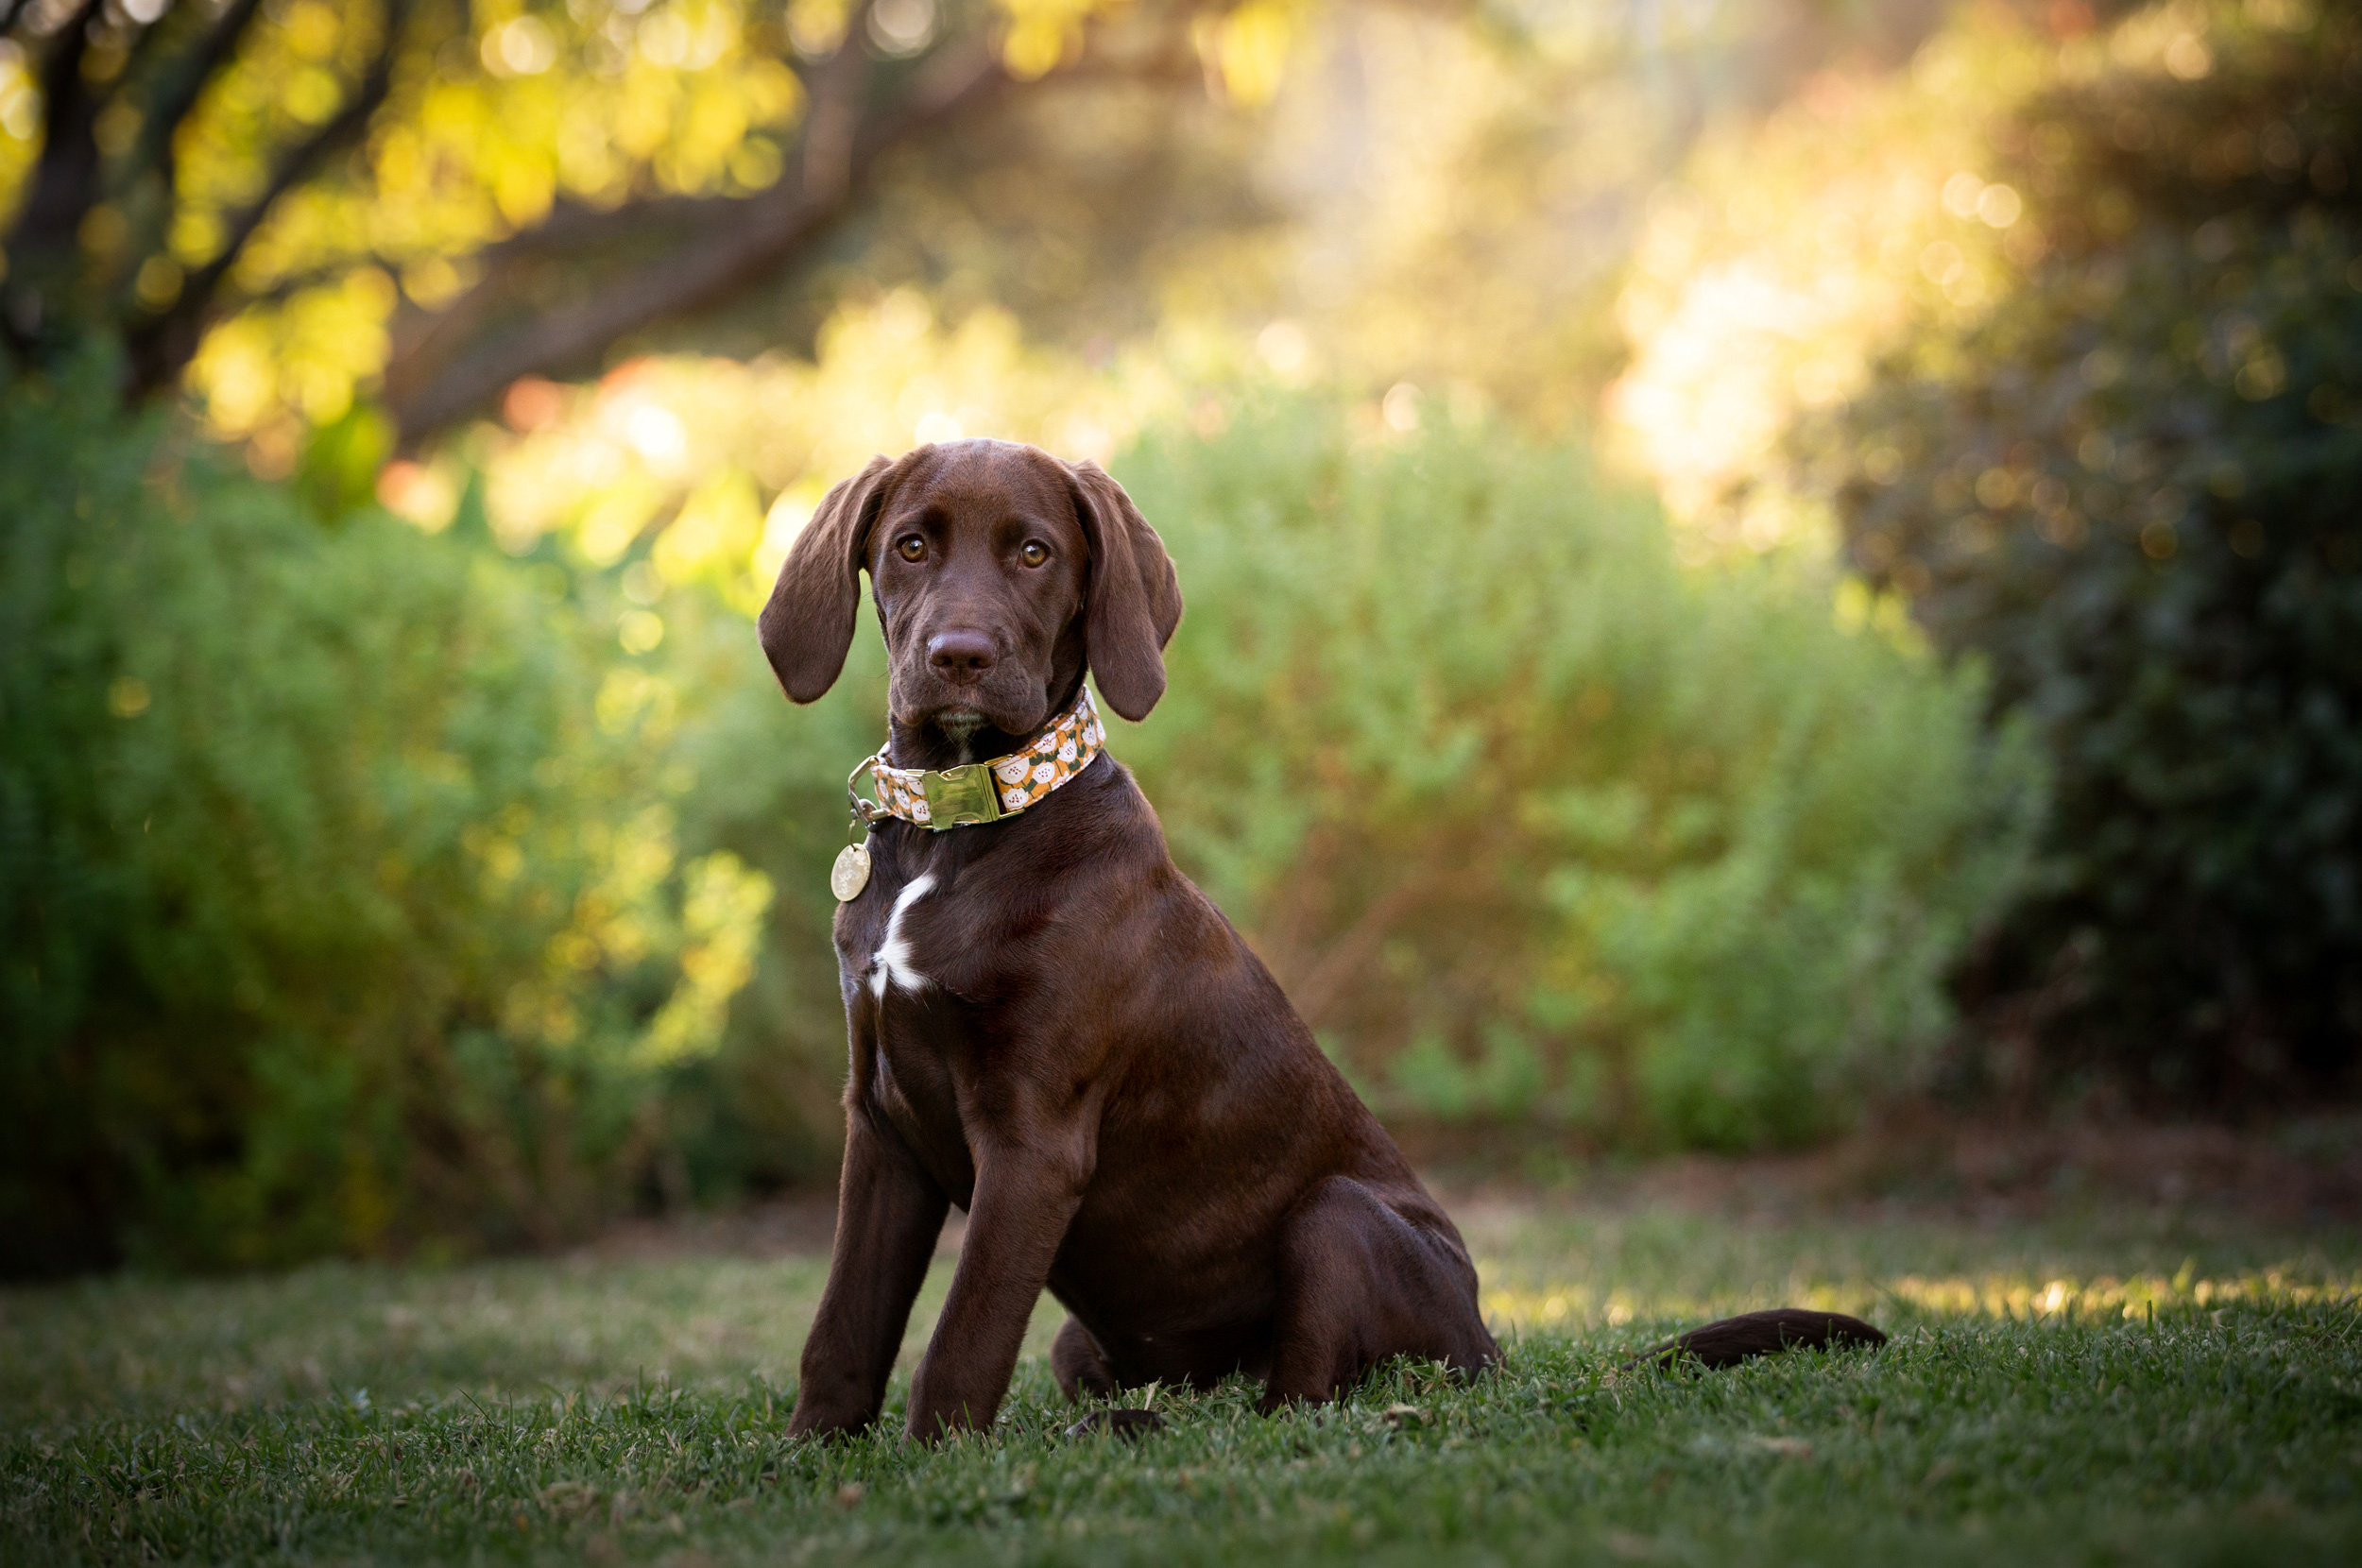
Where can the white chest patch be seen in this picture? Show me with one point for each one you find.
(893, 963)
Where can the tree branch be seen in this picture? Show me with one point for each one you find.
(161, 347)
(747, 235)
(186, 81)
(65, 182)
(568, 227)
(834, 122)
(43, 243)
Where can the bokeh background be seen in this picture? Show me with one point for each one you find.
(1754, 566)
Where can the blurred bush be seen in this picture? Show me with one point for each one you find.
(367, 887)
(341, 892)
(2129, 486)
(1535, 822)
(1537, 827)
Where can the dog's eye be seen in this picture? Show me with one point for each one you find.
(913, 548)
(1034, 553)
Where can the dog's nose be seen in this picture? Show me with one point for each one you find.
(961, 657)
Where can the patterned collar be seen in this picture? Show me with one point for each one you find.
(977, 793)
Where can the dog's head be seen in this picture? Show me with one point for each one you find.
(998, 572)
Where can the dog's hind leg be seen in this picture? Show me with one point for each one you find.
(1360, 1284)
(1081, 1369)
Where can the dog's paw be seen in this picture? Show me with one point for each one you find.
(1130, 1425)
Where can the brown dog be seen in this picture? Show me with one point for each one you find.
(1051, 1027)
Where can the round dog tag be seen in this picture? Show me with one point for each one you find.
(851, 872)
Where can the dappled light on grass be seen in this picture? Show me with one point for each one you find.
(2002, 1296)
(1575, 1308)
(635, 1410)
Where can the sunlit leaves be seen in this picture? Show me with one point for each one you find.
(1470, 197)
(1799, 251)
(1245, 50)
(672, 100)
(20, 99)
(307, 354)
(296, 70)
(721, 922)
(498, 112)
(719, 461)
(372, 873)
(1043, 32)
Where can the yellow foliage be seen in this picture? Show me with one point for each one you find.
(816, 26)
(630, 697)
(20, 119)
(740, 453)
(1801, 251)
(306, 356)
(715, 532)
(623, 915)
(722, 917)
(1246, 51)
(592, 103)
(1041, 33)
(615, 516)
(1764, 286)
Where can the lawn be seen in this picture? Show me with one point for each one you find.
(2115, 1387)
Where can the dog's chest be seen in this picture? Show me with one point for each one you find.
(894, 961)
(908, 1028)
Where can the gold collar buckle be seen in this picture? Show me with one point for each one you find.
(964, 796)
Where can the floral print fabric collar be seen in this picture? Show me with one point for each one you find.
(977, 793)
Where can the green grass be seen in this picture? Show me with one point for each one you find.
(2093, 1390)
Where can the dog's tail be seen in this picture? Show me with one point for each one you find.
(1733, 1339)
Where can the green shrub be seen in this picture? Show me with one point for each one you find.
(1532, 821)
(765, 784)
(341, 900)
(2131, 488)
(359, 893)
(1534, 824)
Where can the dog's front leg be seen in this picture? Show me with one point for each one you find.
(888, 1214)
(1026, 1195)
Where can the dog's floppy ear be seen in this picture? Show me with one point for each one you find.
(1134, 601)
(807, 627)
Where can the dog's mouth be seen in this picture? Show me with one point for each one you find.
(960, 721)
(961, 724)
(964, 718)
